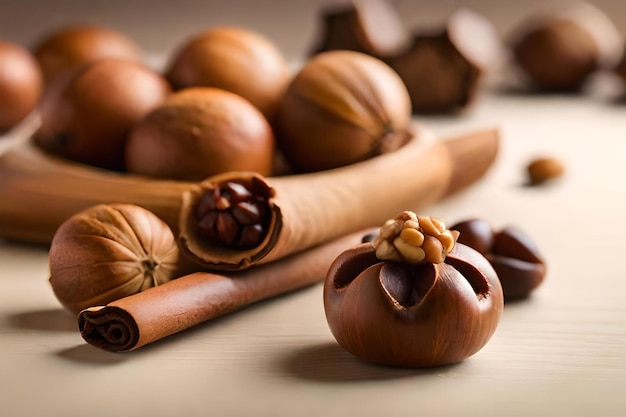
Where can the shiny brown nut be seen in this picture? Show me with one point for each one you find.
(20, 84)
(560, 49)
(71, 47)
(342, 107)
(236, 60)
(542, 170)
(199, 132)
(412, 314)
(443, 69)
(513, 255)
(107, 252)
(86, 115)
(369, 26)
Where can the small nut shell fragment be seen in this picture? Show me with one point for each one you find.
(107, 252)
(542, 170)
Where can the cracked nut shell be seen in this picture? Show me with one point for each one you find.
(405, 315)
(107, 252)
(513, 255)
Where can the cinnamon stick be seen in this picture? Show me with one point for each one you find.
(31, 179)
(137, 320)
(305, 210)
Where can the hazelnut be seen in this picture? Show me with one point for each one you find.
(199, 132)
(69, 48)
(20, 84)
(513, 255)
(342, 107)
(411, 312)
(235, 60)
(87, 114)
(107, 252)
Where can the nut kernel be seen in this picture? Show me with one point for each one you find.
(410, 253)
(448, 239)
(385, 250)
(412, 239)
(433, 249)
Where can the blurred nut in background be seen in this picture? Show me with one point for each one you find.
(235, 60)
(369, 26)
(443, 68)
(544, 169)
(562, 49)
(199, 132)
(20, 84)
(71, 47)
(342, 107)
(87, 114)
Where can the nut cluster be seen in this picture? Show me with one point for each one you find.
(414, 239)
(232, 215)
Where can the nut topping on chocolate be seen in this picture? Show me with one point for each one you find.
(414, 239)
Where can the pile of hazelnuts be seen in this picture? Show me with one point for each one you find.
(226, 101)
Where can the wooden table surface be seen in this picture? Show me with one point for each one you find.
(560, 353)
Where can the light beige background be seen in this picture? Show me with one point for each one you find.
(561, 353)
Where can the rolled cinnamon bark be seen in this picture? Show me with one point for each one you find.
(143, 318)
(236, 220)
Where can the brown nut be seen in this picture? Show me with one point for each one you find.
(443, 69)
(412, 314)
(542, 170)
(87, 115)
(20, 84)
(235, 60)
(342, 107)
(561, 49)
(513, 255)
(199, 132)
(71, 47)
(107, 252)
(369, 26)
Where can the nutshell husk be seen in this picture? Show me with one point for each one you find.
(108, 252)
